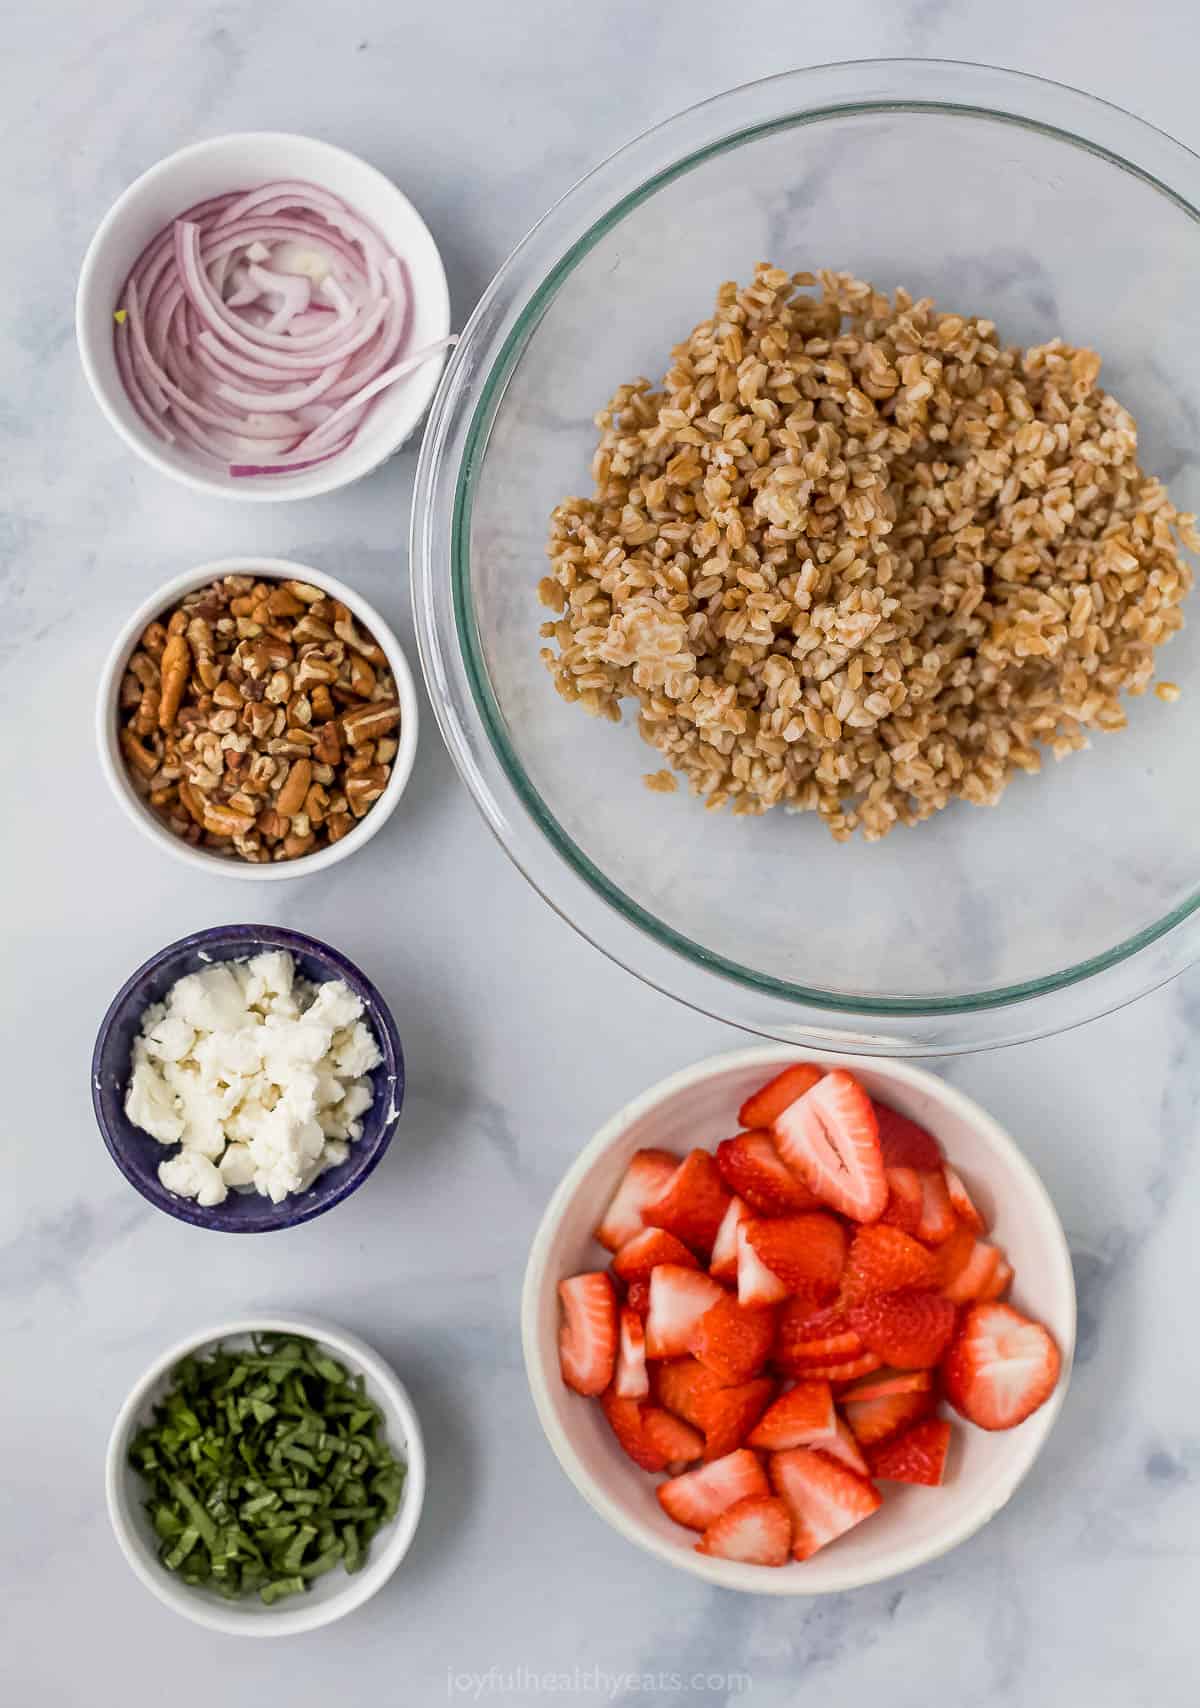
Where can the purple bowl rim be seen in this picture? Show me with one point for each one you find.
(270, 936)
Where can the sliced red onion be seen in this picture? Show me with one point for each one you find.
(262, 325)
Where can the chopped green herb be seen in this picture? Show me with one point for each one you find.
(256, 1460)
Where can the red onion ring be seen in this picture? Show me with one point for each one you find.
(260, 326)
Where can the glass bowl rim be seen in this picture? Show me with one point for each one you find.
(474, 385)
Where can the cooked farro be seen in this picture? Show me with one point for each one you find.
(855, 557)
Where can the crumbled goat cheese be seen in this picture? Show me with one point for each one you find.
(258, 1076)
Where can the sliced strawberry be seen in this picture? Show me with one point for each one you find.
(766, 1106)
(752, 1168)
(684, 1386)
(905, 1199)
(938, 1220)
(875, 1420)
(692, 1203)
(885, 1382)
(882, 1260)
(800, 1417)
(645, 1251)
(917, 1456)
(954, 1254)
(698, 1497)
(729, 1414)
(733, 1340)
(910, 1329)
(961, 1201)
(904, 1144)
(845, 1448)
(631, 1381)
(1000, 1367)
(679, 1297)
(1001, 1281)
(637, 1298)
(676, 1442)
(756, 1284)
(650, 1436)
(723, 1266)
(756, 1530)
(841, 1371)
(975, 1277)
(830, 1138)
(807, 1336)
(824, 1496)
(587, 1336)
(647, 1175)
(807, 1253)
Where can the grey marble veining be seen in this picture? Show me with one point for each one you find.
(1082, 1593)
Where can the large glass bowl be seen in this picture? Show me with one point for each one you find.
(1002, 195)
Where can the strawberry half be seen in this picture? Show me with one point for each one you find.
(961, 1201)
(905, 1199)
(910, 1329)
(756, 1284)
(723, 1265)
(878, 1419)
(587, 1335)
(647, 1175)
(904, 1144)
(752, 1168)
(631, 1381)
(806, 1253)
(824, 1496)
(684, 1386)
(733, 1340)
(692, 1203)
(651, 1437)
(799, 1418)
(845, 1448)
(830, 1138)
(883, 1260)
(917, 1456)
(975, 1276)
(679, 1297)
(1001, 1366)
(729, 1414)
(645, 1251)
(698, 1497)
(767, 1105)
(757, 1531)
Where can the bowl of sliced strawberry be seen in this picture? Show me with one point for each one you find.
(796, 1326)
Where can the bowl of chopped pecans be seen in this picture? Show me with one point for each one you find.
(258, 718)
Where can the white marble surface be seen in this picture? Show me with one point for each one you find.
(1082, 1593)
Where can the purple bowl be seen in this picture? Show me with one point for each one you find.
(138, 1155)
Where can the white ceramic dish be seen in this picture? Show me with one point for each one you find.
(337, 1592)
(242, 161)
(113, 763)
(699, 1107)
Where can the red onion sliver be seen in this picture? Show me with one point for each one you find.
(264, 323)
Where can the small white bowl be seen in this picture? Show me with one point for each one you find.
(243, 161)
(107, 728)
(337, 1592)
(699, 1107)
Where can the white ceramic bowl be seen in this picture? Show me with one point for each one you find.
(113, 763)
(699, 1107)
(337, 1592)
(242, 161)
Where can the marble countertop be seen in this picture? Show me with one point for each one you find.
(1081, 1594)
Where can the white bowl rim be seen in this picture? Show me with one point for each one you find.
(730, 1574)
(387, 1549)
(113, 765)
(340, 471)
